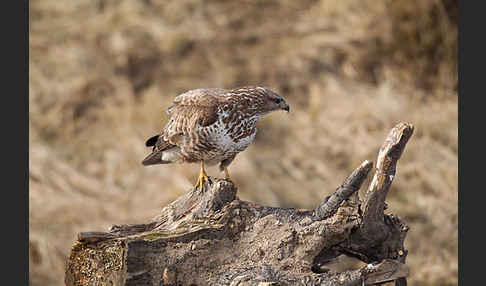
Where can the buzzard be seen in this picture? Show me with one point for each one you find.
(211, 126)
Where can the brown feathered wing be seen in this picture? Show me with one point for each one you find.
(187, 111)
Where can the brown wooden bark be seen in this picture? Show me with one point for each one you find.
(210, 237)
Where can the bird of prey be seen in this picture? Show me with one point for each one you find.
(211, 126)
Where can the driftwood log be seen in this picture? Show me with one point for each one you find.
(210, 237)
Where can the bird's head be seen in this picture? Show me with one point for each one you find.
(272, 102)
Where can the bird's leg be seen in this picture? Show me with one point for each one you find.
(224, 167)
(226, 174)
(202, 177)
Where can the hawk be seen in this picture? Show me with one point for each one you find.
(211, 126)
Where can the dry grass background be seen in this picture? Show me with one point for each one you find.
(102, 73)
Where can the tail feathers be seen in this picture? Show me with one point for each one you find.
(163, 152)
(154, 158)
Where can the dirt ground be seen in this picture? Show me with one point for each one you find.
(102, 73)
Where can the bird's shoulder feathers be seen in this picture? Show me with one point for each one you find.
(199, 106)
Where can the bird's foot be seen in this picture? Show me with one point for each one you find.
(203, 178)
(227, 176)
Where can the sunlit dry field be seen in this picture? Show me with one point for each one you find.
(102, 73)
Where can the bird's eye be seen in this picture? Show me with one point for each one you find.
(277, 100)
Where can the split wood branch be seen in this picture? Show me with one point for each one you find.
(352, 184)
(388, 156)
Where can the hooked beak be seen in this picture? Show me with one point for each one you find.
(285, 107)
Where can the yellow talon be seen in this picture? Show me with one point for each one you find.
(226, 174)
(203, 177)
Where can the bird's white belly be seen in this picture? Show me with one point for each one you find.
(226, 144)
(232, 141)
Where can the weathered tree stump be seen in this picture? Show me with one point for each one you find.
(210, 237)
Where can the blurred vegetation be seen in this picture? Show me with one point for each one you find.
(102, 73)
